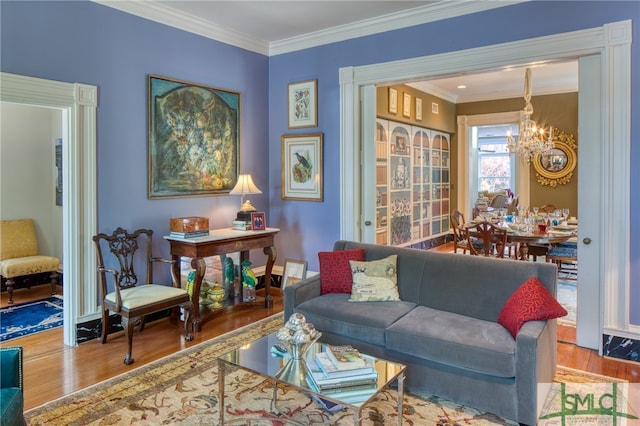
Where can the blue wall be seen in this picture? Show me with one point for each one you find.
(89, 43)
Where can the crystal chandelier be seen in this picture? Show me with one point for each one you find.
(530, 140)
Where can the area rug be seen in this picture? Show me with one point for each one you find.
(567, 297)
(26, 318)
(183, 389)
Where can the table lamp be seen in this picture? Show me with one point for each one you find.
(243, 187)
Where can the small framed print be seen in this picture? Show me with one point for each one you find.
(303, 104)
(257, 221)
(406, 105)
(418, 109)
(393, 100)
(293, 271)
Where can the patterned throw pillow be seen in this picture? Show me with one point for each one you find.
(375, 281)
(335, 271)
(530, 302)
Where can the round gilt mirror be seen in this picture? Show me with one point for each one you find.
(556, 166)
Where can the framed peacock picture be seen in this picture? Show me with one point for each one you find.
(302, 174)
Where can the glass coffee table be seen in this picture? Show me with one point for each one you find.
(256, 357)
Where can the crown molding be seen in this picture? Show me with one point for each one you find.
(393, 21)
(166, 15)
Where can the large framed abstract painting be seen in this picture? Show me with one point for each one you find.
(302, 174)
(194, 138)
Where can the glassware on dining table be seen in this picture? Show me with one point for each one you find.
(565, 213)
(535, 211)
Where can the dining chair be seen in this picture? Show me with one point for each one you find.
(460, 240)
(133, 296)
(565, 256)
(493, 239)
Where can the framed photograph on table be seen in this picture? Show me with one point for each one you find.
(303, 104)
(302, 173)
(194, 138)
(293, 271)
(257, 221)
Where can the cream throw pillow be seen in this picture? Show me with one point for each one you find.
(375, 281)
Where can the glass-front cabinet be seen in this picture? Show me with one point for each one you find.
(412, 183)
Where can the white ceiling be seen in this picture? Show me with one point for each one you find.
(275, 27)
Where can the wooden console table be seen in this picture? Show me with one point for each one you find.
(223, 241)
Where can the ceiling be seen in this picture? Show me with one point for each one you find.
(274, 27)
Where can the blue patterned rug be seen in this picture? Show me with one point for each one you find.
(30, 317)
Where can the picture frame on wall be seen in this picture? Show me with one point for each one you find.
(406, 105)
(418, 109)
(193, 138)
(258, 222)
(393, 100)
(302, 168)
(293, 272)
(303, 104)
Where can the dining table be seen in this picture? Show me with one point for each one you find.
(552, 235)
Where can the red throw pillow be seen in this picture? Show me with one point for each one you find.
(335, 270)
(530, 302)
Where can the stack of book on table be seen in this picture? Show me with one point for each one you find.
(343, 373)
(193, 234)
(241, 225)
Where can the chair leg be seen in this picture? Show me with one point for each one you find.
(105, 324)
(54, 281)
(10, 283)
(129, 324)
(188, 320)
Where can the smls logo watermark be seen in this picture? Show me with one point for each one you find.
(598, 404)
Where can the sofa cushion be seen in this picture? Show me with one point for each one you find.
(335, 314)
(530, 302)
(375, 281)
(464, 342)
(335, 271)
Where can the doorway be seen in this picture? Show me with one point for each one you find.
(609, 43)
(77, 103)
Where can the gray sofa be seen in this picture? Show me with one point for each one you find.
(444, 328)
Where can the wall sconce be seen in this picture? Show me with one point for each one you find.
(245, 186)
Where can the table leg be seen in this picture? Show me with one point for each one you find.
(400, 397)
(271, 259)
(201, 267)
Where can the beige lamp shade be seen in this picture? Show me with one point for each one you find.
(243, 187)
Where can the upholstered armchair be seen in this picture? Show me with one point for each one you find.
(20, 256)
(11, 387)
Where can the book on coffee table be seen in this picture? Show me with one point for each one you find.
(345, 357)
(330, 370)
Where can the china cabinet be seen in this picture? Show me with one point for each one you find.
(412, 183)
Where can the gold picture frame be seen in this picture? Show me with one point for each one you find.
(303, 104)
(393, 100)
(193, 139)
(556, 167)
(302, 169)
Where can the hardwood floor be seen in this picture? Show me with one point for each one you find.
(52, 370)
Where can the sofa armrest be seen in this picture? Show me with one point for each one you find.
(300, 292)
(536, 355)
(11, 366)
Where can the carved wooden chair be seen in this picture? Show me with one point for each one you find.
(129, 296)
(494, 239)
(460, 240)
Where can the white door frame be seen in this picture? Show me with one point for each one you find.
(78, 103)
(613, 43)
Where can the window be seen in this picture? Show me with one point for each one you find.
(496, 168)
